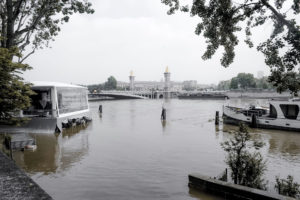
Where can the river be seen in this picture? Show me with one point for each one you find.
(129, 153)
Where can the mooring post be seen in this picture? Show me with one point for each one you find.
(163, 114)
(10, 150)
(254, 121)
(100, 108)
(217, 118)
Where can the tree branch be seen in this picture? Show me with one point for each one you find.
(35, 21)
(17, 6)
(32, 52)
(245, 5)
(279, 16)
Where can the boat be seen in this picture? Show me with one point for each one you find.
(211, 95)
(281, 115)
(52, 105)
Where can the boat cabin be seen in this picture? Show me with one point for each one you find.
(57, 100)
(285, 109)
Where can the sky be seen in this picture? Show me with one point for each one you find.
(137, 35)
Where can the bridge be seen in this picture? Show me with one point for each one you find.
(148, 94)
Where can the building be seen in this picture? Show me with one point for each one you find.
(131, 81)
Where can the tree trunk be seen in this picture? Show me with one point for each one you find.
(10, 25)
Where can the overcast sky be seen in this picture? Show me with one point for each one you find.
(137, 35)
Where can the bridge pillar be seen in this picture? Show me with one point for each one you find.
(131, 79)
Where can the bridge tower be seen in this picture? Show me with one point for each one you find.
(131, 79)
(167, 87)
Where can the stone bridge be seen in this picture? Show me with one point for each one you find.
(129, 95)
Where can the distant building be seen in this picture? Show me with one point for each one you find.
(122, 84)
(189, 85)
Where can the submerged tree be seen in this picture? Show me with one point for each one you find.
(221, 20)
(246, 168)
(27, 23)
(287, 187)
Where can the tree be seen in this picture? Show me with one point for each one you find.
(224, 85)
(35, 22)
(24, 23)
(246, 168)
(111, 83)
(95, 87)
(263, 83)
(234, 83)
(14, 95)
(287, 187)
(246, 80)
(221, 20)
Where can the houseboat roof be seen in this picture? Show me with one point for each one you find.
(53, 84)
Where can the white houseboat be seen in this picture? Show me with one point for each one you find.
(53, 104)
(281, 114)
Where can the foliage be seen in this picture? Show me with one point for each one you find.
(224, 85)
(221, 20)
(223, 176)
(263, 83)
(14, 95)
(95, 88)
(110, 84)
(244, 81)
(23, 23)
(287, 187)
(35, 22)
(234, 83)
(246, 168)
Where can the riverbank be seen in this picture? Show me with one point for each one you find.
(230, 190)
(15, 184)
(257, 94)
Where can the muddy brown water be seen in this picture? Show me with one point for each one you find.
(128, 153)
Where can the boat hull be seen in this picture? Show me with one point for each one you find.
(230, 117)
(204, 97)
(41, 124)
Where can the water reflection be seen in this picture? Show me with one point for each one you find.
(54, 153)
(280, 142)
(203, 195)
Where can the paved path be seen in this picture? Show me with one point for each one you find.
(15, 184)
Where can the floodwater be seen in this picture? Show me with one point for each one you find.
(128, 153)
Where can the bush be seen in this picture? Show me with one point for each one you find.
(287, 187)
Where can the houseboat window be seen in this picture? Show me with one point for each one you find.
(41, 103)
(273, 112)
(290, 111)
(71, 99)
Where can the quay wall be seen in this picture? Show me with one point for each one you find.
(231, 191)
(261, 94)
(15, 184)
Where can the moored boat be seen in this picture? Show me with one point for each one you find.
(281, 114)
(206, 95)
(52, 104)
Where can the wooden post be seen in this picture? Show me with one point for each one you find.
(217, 118)
(10, 150)
(100, 108)
(254, 121)
(163, 114)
